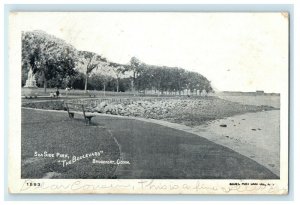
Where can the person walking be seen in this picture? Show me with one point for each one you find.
(57, 93)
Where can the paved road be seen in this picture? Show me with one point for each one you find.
(158, 152)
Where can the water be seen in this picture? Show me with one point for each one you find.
(273, 101)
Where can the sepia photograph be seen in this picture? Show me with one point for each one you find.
(149, 102)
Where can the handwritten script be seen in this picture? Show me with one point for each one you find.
(153, 185)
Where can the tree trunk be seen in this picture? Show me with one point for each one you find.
(86, 82)
(117, 85)
(45, 82)
(104, 88)
(132, 87)
(133, 83)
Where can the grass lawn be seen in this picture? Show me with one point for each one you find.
(55, 133)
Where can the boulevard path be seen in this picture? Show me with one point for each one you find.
(153, 151)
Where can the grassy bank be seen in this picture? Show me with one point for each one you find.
(65, 139)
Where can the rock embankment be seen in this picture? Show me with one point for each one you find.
(187, 111)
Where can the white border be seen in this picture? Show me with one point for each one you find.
(17, 185)
(294, 117)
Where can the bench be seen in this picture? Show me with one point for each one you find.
(72, 108)
(53, 95)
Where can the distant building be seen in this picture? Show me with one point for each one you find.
(260, 92)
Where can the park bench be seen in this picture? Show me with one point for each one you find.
(53, 95)
(73, 108)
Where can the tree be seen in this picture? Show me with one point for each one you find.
(78, 81)
(135, 67)
(47, 55)
(87, 62)
(117, 70)
(165, 79)
(124, 84)
(180, 79)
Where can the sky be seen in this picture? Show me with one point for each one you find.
(235, 51)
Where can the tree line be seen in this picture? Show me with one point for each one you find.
(56, 63)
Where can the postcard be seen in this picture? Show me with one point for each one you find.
(148, 102)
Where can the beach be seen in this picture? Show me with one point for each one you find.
(255, 135)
